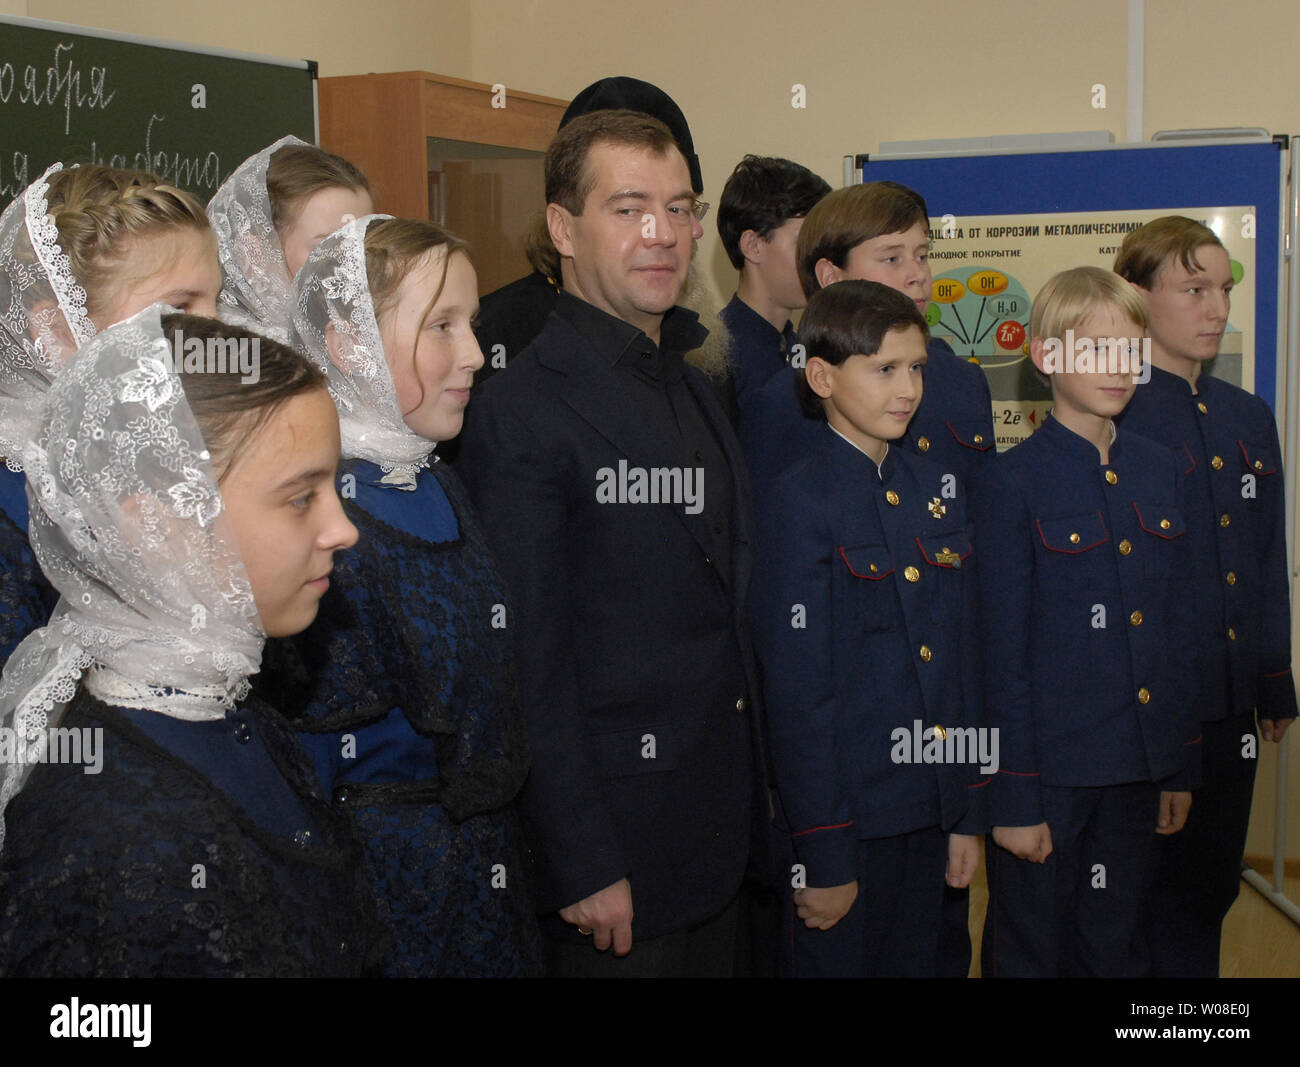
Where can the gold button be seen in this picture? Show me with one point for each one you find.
(979, 438)
(1112, 478)
(1231, 578)
(940, 732)
(912, 574)
(741, 705)
(1259, 464)
(1144, 696)
(926, 654)
(873, 567)
(1225, 520)
(1125, 548)
(1217, 463)
(1164, 524)
(923, 443)
(1074, 538)
(1200, 406)
(892, 497)
(1136, 618)
(1232, 634)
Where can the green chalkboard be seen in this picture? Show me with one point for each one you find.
(79, 95)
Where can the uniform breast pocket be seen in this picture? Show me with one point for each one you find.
(868, 581)
(1259, 470)
(1164, 526)
(1073, 546)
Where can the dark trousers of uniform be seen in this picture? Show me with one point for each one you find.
(954, 934)
(892, 929)
(704, 951)
(1081, 913)
(1199, 871)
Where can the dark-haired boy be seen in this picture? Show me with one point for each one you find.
(862, 607)
(1236, 522)
(762, 208)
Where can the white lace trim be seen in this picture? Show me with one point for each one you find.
(44, 236)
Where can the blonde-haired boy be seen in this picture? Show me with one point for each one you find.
(1087, 673)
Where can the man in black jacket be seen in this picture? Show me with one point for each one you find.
(613, 491)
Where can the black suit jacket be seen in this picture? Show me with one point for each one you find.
(635, 666)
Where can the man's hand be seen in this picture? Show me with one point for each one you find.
(1173, 812)
(1274, 729)
(1032, 843)
(820, 909)
(963, 858)
(606, 915)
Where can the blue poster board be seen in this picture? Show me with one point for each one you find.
(1125, 177)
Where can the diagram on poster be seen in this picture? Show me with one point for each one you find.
(987, 268)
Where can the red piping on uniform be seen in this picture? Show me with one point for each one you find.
(837, 826)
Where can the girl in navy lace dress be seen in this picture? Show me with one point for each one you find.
(406, 681)
(80, 249)
(168, 826)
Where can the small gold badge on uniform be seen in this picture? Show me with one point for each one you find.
(948, 558)
(937, 509)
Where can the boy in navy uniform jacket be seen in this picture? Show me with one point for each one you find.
(1090, 641)
(1226, 441)
(759, 216)
(863, 614)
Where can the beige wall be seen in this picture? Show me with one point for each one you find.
(873, 71)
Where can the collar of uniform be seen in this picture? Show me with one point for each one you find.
(1079, 447)
(884, 469)
(743, 320)
(1165, 382)
(611, 337)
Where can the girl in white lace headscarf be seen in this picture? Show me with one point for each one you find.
(80, 249)
(404, 686)
(269, 214)
(185, 508)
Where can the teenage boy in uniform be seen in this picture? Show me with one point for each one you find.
(862, 604)
(762, 208)
(1227, 442)
(1089, 650)
(880, 232)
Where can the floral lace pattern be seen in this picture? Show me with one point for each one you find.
(101, 877)
(43, 319)
(334, 323)
(255, 281)
(127, 523)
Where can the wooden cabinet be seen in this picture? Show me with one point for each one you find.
(437, 148)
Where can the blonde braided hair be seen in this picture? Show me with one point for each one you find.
(100, 212)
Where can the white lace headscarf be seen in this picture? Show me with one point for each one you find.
(127, 521)
(255, 280)
(43, 319)
(334, 323)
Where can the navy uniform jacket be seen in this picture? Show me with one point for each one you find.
(628, 634)
(953, 427)
(1089, 632)
(758, 351)
(1226, 441)
(863, 612)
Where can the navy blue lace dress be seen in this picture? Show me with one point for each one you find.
(196, 850)
(404, 692)
(26, 596)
